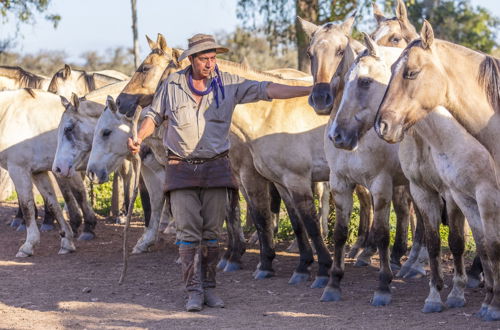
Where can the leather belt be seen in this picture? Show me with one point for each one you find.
(172, 156)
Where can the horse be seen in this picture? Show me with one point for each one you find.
(409, 98)
(74, 142)
(67, 81)
(329, 61)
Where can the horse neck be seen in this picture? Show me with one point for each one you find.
(466, 98)
(100, 80)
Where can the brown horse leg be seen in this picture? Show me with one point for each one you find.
(382, 196)
(79, 192)
(365, 220)
(75, 216)
(236, 242)
(428, 203)
(456, 241)
(302, 271)
(342, 194)
(402, 204)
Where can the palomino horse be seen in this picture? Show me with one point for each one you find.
(329, 61)
(410, 97)
(68, 81)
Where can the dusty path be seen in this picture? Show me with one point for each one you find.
(47, 292)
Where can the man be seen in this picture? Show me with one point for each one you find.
(197, 104)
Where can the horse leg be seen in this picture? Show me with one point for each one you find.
(365, 221)
(45, 187)
(456, 241)
(48, 219)
(79, 191)
(154, 185)
(401, 203)
(236, 242)
(342, 194)
(429, 204)
(382, 196)
(231, 213)
(18, 219)
(24, 188)
(418, 256)
(75, 217)
(146, 203)
(301, 273)
(474, 273)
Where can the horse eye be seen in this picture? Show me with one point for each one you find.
(364, 82)
(106, 132)
(145, 68)
(340, 52)
(68, 129)
(395, 40)
(411, 75)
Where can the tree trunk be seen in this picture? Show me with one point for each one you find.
(308, 10)
(137, 60)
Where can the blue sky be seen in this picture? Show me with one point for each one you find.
(101, 24)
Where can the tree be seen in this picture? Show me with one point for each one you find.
(277, 20)
(23, 11)
(137, 58)
(456, 21)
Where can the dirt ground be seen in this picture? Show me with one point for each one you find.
(81, 291)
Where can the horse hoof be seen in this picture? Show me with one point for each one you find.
(21, 254)
(262, 274)
(120, 220)
(403, 271)
(231, 267)
(320, 282)
(455, 302)
(415, 273)
(433, 307)
(353, 253)
(21, 228)
(16, 222)
(473, 282)
(67, 246)
(45, 227)
(362, 263)
(492, 314)
(86, 236)
(482, 311)
(331, 294)
(381, 299)
(222, 264)
(25, 250)
(395, 267)
(298, 278)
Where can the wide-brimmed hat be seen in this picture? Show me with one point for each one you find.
(200, 42)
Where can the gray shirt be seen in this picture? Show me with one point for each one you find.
(201, 131)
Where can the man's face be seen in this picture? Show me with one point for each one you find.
(203, 64)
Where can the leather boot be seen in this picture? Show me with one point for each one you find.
(210, 258)
(191, 273)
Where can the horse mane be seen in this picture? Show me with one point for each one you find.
(249, 73)
(489, 79)
(25, 78)
(30, 91)
(89, 80)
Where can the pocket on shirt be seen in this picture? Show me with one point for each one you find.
(183, 116)
(217, 115)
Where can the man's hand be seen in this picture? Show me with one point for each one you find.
(134, 146)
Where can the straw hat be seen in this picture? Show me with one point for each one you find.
(200, 42)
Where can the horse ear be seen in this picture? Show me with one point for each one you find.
(427, 35)
(349, 53)
(76, 100)
(379, 15)
(308, 27)
(151, 43)
(66, 71)
(176, 53)
(372, 47)
(162, 43)
(110, 104)
(401, 12)
(64, 102)
(346, 27)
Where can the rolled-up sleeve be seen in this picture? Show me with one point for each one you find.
(248, 90)
(157, 107)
